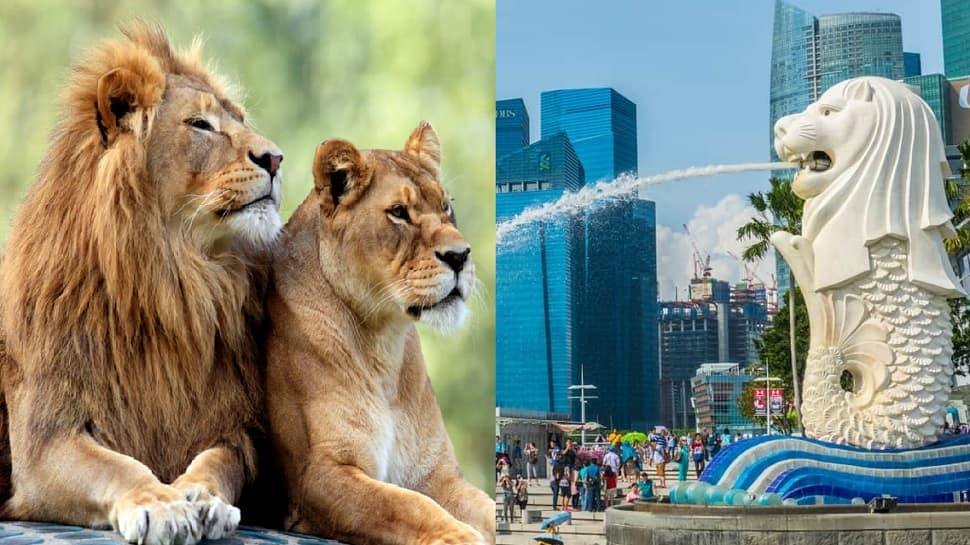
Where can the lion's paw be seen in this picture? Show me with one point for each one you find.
(462, 535)
(157, 516)
(217, 518)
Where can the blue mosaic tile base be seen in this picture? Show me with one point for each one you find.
(35, 533)
(778, 469)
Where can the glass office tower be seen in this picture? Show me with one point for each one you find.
(538, 280)
(617, 341)
(935, 90)
(859, 44)
(602, 125)
(912, 64)
(618, 344)
(511, 126)
(955, 15)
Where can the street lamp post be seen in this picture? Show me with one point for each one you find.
(582, 397)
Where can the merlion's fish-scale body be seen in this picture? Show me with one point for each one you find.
(905, 402)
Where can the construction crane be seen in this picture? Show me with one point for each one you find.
(750, 275)
(702, 267)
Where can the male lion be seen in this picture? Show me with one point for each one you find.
(353, 416)
(131, 300)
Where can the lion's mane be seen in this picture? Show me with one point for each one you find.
(113, 323)
(895, 188)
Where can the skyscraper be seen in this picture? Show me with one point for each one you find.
(511, 126)
(859, 44)
(811, 54)
(912, 64)
(538, 280)
(618, 317)
(956, 35)
(617, 336)
(602, 125)
(935, 90)
(689, 336)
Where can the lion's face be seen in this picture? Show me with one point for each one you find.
(826, 139)
(218, 179)
(391, 229)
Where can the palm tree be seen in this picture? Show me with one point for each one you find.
(957, 193)
(777, 210)
(959, 197)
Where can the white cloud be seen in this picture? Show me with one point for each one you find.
(714, 229)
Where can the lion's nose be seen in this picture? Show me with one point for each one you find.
(779, 130)
(269, 161)
(781, 127)
(454, 259)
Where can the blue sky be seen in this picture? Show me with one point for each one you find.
(698, 72)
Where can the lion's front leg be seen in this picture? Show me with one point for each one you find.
(463, 500)
(342, 502)
(213, 482)
(72, 479)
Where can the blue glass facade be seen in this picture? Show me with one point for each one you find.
(579, 290)
(538, 280)
(601, 123)
(618, 318)
(859, 44)
(935, 90)
(955, 15)
(511, 126)
(912, 64)
(717, 386)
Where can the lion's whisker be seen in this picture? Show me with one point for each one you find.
(385, 294)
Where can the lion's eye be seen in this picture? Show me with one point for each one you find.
(200, 124)
(399, 212)
(826, 111)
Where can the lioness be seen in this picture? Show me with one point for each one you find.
(131, 294)
(353, 416)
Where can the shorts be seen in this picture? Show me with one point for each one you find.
(564, 491)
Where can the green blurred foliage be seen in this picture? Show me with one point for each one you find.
(364, 71)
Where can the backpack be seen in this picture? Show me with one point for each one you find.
(678, 454)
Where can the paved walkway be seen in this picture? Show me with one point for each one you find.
(585, 529)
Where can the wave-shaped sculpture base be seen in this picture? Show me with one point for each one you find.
(779, 469)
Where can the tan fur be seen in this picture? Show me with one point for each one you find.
(131, 300)
(354, 419)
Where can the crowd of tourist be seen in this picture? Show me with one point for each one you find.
(588, 477)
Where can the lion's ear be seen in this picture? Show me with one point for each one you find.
(122, 92)
(424, 146)
(860, 90)
(339, 174)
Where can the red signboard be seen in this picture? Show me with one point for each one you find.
(765, 398)
(760, 402)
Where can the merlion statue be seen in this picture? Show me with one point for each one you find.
(871, 264)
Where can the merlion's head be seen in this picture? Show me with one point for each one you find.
(871, 164)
